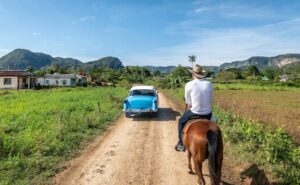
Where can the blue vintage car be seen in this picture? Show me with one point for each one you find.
(141, 99)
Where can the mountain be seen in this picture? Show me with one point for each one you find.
(263, 62)
(213, 69)
(293, 68)
(106, 62)
(67, 62)
(22, 59)
(162, 69)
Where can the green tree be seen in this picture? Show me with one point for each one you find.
(156, 73)
(251, 71)
(226, 76)
(40, 72)
(271, 73)
(30, 69)
(181, 71)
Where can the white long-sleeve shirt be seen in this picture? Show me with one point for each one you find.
(198, 94)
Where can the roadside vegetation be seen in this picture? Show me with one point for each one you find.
(41, 129)
(248, 140)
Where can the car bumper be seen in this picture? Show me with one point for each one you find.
(140, 110)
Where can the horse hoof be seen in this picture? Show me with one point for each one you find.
(191, 172)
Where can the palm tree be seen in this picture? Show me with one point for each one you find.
(253, 70)
(192, 59)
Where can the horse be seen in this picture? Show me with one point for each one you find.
(203, 140)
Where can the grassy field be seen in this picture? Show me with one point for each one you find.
(40, 129)
(248, 140)
(255, 86)
(274, 108)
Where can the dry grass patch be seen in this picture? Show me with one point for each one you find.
(275, 108)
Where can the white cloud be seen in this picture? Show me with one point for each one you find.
(231, 9)
(84, 19)
(202, 9)
(244, 11)
(200, 1)
(214, 47)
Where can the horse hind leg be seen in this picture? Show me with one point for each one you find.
(189, 156)
(198, 169)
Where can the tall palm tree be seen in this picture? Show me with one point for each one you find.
(253, 70)
(192, 59)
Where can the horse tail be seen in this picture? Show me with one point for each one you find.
(213, 147)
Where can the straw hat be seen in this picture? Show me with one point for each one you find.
(198, 72)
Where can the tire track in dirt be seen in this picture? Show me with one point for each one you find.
(135, 151)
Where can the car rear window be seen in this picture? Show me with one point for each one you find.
(142, 92)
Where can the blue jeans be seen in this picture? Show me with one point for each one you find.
(185, 118)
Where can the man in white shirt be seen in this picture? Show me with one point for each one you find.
(198, 97)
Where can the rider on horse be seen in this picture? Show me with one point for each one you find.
(198, 97)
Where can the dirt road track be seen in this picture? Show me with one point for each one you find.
(137, 151)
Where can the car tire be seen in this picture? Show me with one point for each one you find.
(154, 114)
(127, 114)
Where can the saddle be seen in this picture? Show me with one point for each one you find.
(191, 122)
(195, 119)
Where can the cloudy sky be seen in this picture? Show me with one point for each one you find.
(152, 32)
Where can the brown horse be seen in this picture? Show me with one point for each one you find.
(203, 140)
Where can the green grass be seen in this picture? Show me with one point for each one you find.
(273, 149)
(248, 141)
(40, 129)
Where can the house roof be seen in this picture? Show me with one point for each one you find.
(59, 76)
(15, 73)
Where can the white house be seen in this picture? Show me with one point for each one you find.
(284, 78)
(63, 80)
(16, 79)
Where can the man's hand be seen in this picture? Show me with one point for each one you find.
(187, 107)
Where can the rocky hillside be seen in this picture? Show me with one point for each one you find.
(23, 59)
(263, 62)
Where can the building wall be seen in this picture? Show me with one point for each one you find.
(23, 85)
(14, 82)
(53, 82)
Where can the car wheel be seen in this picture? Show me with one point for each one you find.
(154, 114)
(127, 114)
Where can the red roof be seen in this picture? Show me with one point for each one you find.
(15, 73)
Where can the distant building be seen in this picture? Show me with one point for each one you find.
(284, 78)
(16, 79)
(63, 80)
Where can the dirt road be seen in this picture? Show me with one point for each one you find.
(135, 151)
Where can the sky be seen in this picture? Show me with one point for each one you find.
(152, 32)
